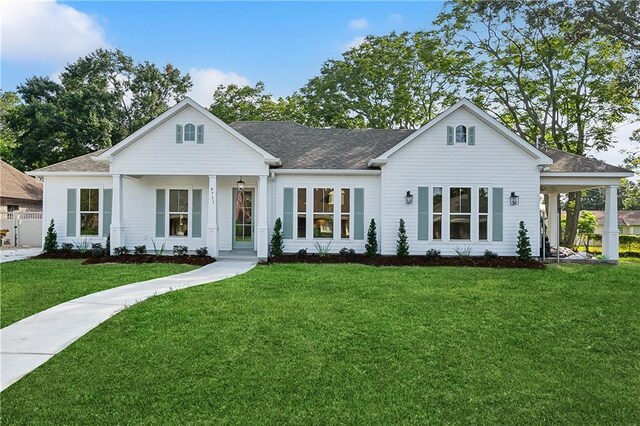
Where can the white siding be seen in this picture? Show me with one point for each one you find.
(493, 161)
(157, 153)
(370, 184)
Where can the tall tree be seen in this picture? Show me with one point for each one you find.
(8, 101)
(541, 77)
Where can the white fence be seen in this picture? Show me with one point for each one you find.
(24, 229)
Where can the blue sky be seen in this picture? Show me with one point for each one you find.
(281, 43)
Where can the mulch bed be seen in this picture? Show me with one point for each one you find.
(128, 258)
(500, 262)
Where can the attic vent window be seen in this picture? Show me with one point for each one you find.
(461, 134)
(189, 133)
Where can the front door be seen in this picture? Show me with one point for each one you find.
(243, 218)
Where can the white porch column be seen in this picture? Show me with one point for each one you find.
(117, 221)
(262, 234)
(212, 217)
(610, 231)
(553, 220)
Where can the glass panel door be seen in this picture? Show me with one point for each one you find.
(243, 218)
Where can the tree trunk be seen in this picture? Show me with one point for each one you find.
(573, 214)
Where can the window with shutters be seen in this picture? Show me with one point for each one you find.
(323, 209)
(437, 213)
(460, 213)
(345, 213)
(189, 132)
(483, 213)
(461, 134)
(89, 211)
(179, 212)
(301, 219)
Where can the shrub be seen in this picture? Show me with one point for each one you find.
(488, 254)
(83, 245)
(157, 251)
(347, 252)
(140, 249)
(524, 245)
(51, 239)
(97, 250)
(433, 254)
(371, 247)
(302, 252)
(202, 252)
(322, 249)
(66, 247)
(180, 250)
(107, 246)
(276, 247)
(119, 251)
(463, 252)
(402, 246)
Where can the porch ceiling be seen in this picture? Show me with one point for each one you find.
(560, 182)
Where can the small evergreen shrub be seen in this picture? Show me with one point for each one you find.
(51, 239)
(202, 252)
(347, 252)
(107, 246)
(402, 246)
(276, 247)
(119, 251)
(67, 247)
(140, 249)
(302, 252)
(371, 247)
(180, 250)
(488, 254)
(97, 250)
(433, 254)
(524, 245)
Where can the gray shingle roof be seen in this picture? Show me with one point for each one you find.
(625, 217)
(83, 163)
(301, 147)
(15, 184)
(564, 162)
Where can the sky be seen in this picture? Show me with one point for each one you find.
(283, 44)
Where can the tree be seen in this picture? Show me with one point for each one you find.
(8, 101)
(393, 81)
(542, 74)
(524, 245)
(402, 245)
(277, 239)
(587, 227)
(371, 247)
(629, 195)
(50, 239)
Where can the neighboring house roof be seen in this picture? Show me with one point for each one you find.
(625, 217)
(565, 162)
(301, 147)
(15, 184)
(83, 164)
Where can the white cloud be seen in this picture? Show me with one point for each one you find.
(358, 24)
(48, 32)
(355, 42)
(206, 80)
(395, 18)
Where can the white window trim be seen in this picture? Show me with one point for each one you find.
(79, 212)
(313, 213)
(475, 208)
(350, 213)
(455, 134)
(297, 213)
(167, 227)
(433, 213)
(184, 133)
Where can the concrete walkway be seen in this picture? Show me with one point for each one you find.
(11, 254)
(29, 343)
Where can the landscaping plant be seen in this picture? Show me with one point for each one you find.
(180, 250)
(433, 254)
(488, 254)
(97, 250)
(140, 249)
(322, 249)
(51, 239)
(202, 252)
(119, 251)
(402, 246)
(463, 252)
(371, 247)
(276, 247)
(107, 246)
(347, 252)
(83, 245)
(524, 245)
(66, 247)
(155, 248)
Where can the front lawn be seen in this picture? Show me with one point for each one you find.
(31, 286)
(310, 344)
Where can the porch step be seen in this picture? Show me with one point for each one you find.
(238, 255)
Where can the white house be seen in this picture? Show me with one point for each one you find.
(187, 178)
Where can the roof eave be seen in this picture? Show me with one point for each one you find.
(588, 174)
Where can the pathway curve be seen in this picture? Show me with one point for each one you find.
(29, 343)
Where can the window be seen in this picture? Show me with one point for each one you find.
(461, 134)
(323, 208)
(189, 132)
(345, 213)
(179, 212)
(460, 213)
(12, 208)
(89, 211)
(437, 213)
(483, 213)
(302, 213)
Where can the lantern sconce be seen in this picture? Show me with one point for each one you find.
(514, 199)
(408, 199)
(240, 184)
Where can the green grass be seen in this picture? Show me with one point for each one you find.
(311, 344)
(31, 286)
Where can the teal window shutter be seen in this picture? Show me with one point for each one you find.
(71, 211)
(471, 137)
(449, 135)
(497, 219)
(287, 216)
(196, 216)
(423, 213)
(160, 214)
(178, 133)
(107, 198)
(200, 134)
(358, 213)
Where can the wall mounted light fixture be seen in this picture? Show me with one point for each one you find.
(408, 199)
(514, 199)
